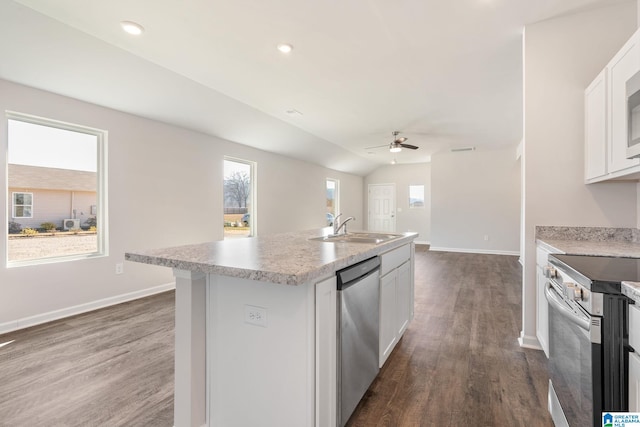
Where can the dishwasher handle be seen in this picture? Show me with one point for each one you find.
(350, 275)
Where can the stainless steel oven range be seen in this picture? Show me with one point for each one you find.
(588, 352)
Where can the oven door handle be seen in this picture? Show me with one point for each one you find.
(551, 295)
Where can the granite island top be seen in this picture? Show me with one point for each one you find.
(287, 258)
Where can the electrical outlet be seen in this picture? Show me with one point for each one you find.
(486, 237)
(119, 268)
(255, 315)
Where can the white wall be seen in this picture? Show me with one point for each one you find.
(476, 194)
(562, 56)
(417, 219)
(165, 189)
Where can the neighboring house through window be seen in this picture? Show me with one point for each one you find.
(61, 167)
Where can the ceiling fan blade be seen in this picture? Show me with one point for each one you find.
(400, 140)
(377, 146)
(409, 146)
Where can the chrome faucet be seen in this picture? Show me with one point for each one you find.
(337, 226)
(336, 223)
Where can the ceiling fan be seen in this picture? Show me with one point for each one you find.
(397, 145)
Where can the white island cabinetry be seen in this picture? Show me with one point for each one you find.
(396, 298)
(256, 335)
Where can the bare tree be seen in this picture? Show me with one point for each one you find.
(236, 188)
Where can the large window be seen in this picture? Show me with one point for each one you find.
(56, 189)
(239, 196)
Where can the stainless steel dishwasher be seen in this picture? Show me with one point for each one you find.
(358, 331)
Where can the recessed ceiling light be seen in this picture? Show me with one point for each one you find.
(132, 27)
(285, 47)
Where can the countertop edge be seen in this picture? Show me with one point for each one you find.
(631, 290)
(548, 247)
(617, 249)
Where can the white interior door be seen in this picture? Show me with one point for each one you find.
(382, 207)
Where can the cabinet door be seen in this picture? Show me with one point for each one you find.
(634, 383)
(404, 300)
(542, 315)
(388, 334)
(595, 119)
(624, 65)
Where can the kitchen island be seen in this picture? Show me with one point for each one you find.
(256, 325)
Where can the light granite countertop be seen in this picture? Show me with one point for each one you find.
(593, 241)
(585, 247)
(287, 258)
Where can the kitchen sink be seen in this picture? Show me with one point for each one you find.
(357, 237)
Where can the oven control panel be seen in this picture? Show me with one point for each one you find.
(573, 291)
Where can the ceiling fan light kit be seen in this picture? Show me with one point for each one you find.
(397, 145)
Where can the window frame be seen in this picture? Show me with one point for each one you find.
(411, 206)
(102, 223)
(336, 195)
(253, 192)
(15, 205)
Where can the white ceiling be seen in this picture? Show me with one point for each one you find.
(446, 73)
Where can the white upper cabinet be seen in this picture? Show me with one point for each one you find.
(624, 65)
(606, 118)
(595, 136)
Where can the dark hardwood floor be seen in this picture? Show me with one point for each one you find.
(110, 367)
(458, 364)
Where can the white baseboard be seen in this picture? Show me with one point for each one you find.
(475, 251)
(38, 319)
(528, 341)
